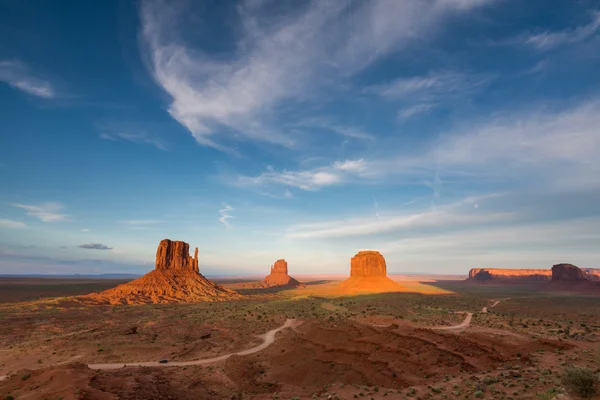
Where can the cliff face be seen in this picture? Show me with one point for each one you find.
(567, 272)
(368, 273)
(368, 263)
(483, 274)
(175, 279)
(591, 274)
(279, 276)
(175, 255)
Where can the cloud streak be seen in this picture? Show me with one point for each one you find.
(225, 213)
(549, 40)
(94, 246)
(10, 224)
(48, 212)
(18, 76)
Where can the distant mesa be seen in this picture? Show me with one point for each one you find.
(176, 279)
(567, 272)
(368, 273)
(279, 276)
(498, 274)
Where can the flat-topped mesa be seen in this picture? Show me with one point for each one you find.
(484, 274)
(368, 274)
(567, 272)
(174, 255)
(368, 263)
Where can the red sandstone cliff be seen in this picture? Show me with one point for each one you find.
(368, 273)
(483, 274)
(176, 279)
(279, 276)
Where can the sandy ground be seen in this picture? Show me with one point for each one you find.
(432, 340)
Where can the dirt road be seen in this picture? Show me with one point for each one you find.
(467, 321)
(268, 339)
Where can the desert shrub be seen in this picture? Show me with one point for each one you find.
(581, 380)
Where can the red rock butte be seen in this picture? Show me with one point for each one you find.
(499, 274)
(279, 276)
(368, 273)
(176, 279)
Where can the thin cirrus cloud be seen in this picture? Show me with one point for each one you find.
(17, 75)
(548, 40)
(47, 212)
(458, 213)
(129, 132)
(540, 145)
(94, 246)
(309, 180)
(283, 59)
(225, 214)
(10, 224)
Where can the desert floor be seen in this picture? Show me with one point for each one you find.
(434, 340)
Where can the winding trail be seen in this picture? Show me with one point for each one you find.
(268, 339)
(467, 321)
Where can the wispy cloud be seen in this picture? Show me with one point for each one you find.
(410, 111)
(139, 222)
(131, 132)
(280, 58)
(48, 212)
(225, 213)
(94, 246)
(18, 76)
(313, 179)
(85, 230)
(542, 145)
(10, 224)
(459, 213)
(548, 40)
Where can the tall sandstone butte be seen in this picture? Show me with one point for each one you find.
(279, 276)
(175, 279)
(368, 273)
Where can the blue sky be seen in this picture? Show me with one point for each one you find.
(448, 134)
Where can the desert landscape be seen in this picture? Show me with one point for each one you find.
(173, 334)
(299, 199)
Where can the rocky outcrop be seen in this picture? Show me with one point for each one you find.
(176, 279)
(368, 273)
(592, 274)
(175, 255)
(279, 276)
(567, 272)
(498, 274)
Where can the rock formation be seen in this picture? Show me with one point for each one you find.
(567, 272)
(497, 274)
(368, 273)
(176, 279)
(279, 276)
(592, 274)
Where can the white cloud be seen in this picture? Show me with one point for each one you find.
(48, 212)
(17, 75)
(225, 213)
(139, 222)
(85, 230)
(135, 137)
(10, 224)
(450, 215)
(313, 179)
(278, 58)
(542, 146)
(547, 40)
(411, 111)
